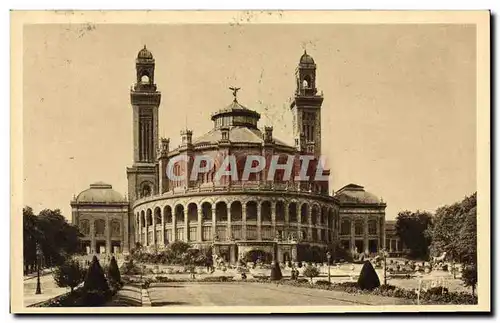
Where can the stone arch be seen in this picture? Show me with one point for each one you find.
(314, 214)
(331, 220)
(206, 212)
(85, 226)
(292, 212)
(372, 226)
(100, 226)
(143, 219)
(304, 210)
(179, 213)
(280, 211)
(251, 211)
(324, 217)
(149, 217)
(345, 227)
(359, 228)
(221, 211)
(236, 211)
(192, 212)
(265, 211)
(146, 189)
(158, 215)
(167, 212)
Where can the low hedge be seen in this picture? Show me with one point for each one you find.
(78, 298)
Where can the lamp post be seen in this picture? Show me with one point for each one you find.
(384, 255)
(38, 260)
(328, 256)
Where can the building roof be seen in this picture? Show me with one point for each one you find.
(356, 194)
(236, 135)
(144, 54)
(306, 59)
(100, 192)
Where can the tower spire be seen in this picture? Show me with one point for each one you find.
(235, 92)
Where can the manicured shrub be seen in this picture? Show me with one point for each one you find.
(368, 278)
(311, 272)
(69, 274)
(469, 277)
(114, 276)
(276, 272)
(95, 279)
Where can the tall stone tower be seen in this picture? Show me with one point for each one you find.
(145, 99)
(306, 107)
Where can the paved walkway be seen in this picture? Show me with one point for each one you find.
(127, 296)
(257, 294)
(48, 287)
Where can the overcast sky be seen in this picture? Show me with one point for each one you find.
(399, 114)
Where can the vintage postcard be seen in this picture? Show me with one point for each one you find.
(250, 162)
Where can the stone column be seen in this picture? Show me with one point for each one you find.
(92, 236)
(353, 240)
(287, 215)
(174, 226)
(200, 219)
(382, 230)
(259, 220)
(146, 231)
(273, 218)
(214, 224)
(229, 229)
(244, 223)
(163, 225)
(309, 222)
(397, 244)
(186, 225)
(154, 228)
(108, 236)
(125, 232)
(365, 231)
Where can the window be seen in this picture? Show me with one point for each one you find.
(221, 232)
(168, 235)
(100, 227)
(372, 227)
(179, 234)
(267, 233)
(358, 228)
(237, 232)
(251, 232)
(192, 234)
(345, 227)
(207, 233)
(85, 226)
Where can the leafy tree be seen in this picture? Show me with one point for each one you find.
(57, 238)
(311, 272)
(69, 274)
(114, 273)
(455, 231)
(412, 228)
(368, 278)
(95, 279)
(469, 277)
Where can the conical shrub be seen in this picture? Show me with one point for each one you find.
(276, 272)
(95, 279)
(114, 276)
(368, 278)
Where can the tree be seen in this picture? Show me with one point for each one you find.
(114, 276)
(57, 238)
(95, 279)
(469, 277)
(412, 228)
(368, 278)
(311, 272)
(455, 231)
(69, 274)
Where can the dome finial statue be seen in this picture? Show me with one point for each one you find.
(235, 92)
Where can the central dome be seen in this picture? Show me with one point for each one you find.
(306, 59)
(235, 115)
(145, 54)
(100, 192)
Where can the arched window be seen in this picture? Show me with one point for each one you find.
(85, 226)
(221, 211)
(265, 211)
(100, 227)
(157, 215)
(168, 214)
(280, 211)
(292, 212)
(358, 227)
(179, 213)
(251, 211)
(372, 227)
(236, 211)
(303, 213)
(115, 228)
(206, 210)
(345, 227)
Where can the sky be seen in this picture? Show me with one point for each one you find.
(398, 116)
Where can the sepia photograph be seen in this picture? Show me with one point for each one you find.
(250, 161)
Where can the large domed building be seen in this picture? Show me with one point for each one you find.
(280, 212)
